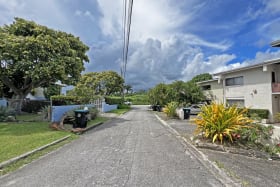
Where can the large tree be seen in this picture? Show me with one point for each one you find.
(98, 84)
(34, 56)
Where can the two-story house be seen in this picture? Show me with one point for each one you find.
(256, 86)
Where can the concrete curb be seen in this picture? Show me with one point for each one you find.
(92, 127)
(8, 162)
(212, 167)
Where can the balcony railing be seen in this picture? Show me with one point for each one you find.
(275, 87)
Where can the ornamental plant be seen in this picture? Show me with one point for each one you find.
(219, 122)
(170, 109)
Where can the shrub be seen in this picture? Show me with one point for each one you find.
(170, 109)
(34, 106)
(59, 100)
(261, 113)
(218, 122)
(114, 100)
(256, 133)
(93, 111)
(5, 112)
(123, 106)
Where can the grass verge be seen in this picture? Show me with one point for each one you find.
(19, 138)
(20, 163)
(120, 111)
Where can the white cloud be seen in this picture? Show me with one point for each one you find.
(272, 6)
(43, 12)
(86, 13)
(211, 64)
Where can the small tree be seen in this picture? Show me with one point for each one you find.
(98, 83)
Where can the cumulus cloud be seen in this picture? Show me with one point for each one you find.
(159, 51)
(43, 12)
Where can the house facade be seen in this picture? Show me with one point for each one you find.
(256, 87)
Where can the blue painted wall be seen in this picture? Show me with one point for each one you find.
(107, 108)
(3, 102)
(59, 111)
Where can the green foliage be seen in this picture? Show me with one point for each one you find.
(160, 95)
(261, 113)
(33, 55)
(98, 83)
(128, 88)
(5, 112)
(33, 106)
(255, 133)
(218, 122)
(113, 100)
(17, 139)
(202, 77)
(179, 91)
(123, 106)
(93, 111)
(138, 99)
(51, 90)
(58, 100)
(170, 109)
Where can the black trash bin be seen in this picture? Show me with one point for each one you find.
(80, 118)
(187, 112)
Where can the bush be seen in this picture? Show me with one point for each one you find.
(5, 112)
(113, 100)
(255, 133)
(170, 109)
(261, 113)
(59, 100)
(34, 106)
(123, 106)
(93, 111)
(218, 122)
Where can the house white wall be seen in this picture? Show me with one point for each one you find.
(256, 90)
(216, 92)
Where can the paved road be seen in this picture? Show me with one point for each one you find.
(132, 150)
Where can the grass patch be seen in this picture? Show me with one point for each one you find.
(19, 138)
(96, 121)
(14, 166)
(120, 111)
(29, 117)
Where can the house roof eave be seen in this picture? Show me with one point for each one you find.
(265, 63)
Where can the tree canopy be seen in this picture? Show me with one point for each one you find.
(34, 56)
(179, 91)
(202, 77)
(98, 84)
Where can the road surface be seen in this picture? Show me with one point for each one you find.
(134, 149)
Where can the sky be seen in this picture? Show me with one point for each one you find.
(170, 39)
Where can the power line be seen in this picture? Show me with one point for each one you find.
(126, 33)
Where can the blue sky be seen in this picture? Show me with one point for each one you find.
(170, 39)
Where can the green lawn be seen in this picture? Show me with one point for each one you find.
(120, 111)
(19, 138)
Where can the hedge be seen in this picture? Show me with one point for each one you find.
(114, 100)
(58, 100)
(262, 113)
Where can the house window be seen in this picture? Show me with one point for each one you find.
(234, 81)
(237, 102)
(273, 79)
(206, 87)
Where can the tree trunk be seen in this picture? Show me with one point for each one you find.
(16, 102)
